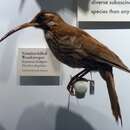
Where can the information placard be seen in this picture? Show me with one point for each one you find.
(38, 64)
(104, 11)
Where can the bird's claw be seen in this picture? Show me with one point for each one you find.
(70, 86)
(71, 89)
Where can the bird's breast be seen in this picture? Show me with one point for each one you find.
(63, 49)
(67, 50)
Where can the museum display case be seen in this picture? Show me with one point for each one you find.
(51, 52)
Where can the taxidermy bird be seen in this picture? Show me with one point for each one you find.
(77, 49)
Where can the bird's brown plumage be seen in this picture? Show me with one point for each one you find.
(102, 53)
(87, 46)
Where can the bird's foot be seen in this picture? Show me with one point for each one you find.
(70, 88)
(74, 79)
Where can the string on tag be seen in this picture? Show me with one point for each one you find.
(92, 85)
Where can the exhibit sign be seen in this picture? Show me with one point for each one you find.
(37, 66)
(104, 11)
(37, 62)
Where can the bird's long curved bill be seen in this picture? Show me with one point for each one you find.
(25, 25)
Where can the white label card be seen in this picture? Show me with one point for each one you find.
(104, 10)
(37, 62)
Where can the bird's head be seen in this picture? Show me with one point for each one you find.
(44, 20)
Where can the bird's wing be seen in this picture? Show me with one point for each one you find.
(100, 52)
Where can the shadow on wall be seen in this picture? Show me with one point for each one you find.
(67, 120)
(40, 117)
(56, 5)
(1, 127)
(51, 117)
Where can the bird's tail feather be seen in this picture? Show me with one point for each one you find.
(108, 77)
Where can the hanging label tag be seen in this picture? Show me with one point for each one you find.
(92, 88)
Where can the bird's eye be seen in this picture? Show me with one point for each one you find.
(40, 18)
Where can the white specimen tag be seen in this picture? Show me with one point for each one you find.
(92, 88)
